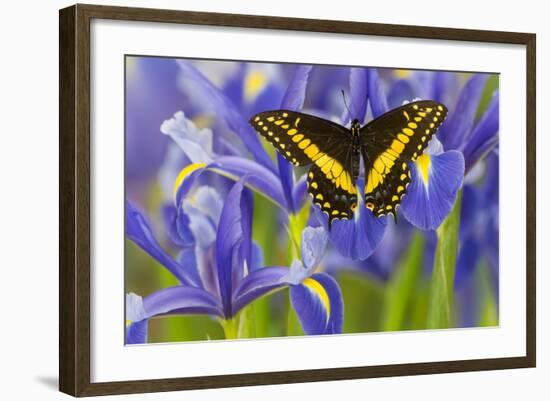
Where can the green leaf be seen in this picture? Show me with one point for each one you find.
(440, 305)
(401, 288)
(488, 315)
(363, 300)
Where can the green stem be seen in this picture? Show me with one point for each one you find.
(440, 308)
(231, 328)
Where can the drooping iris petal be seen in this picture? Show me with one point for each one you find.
(223, 108)
(179, 300)
(484, 136)
(456, 130)
(377, 96)
(172, 300)
(318, 304)
(431, 195)
(293, 100)
(139, 231)
(228, 244)
(312, 246)
(136, 320)
(358, 237)
(259, 179)
(336, 318)
(258, 283)
(197, 144)
(136, 333)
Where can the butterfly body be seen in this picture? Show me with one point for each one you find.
(386, 145)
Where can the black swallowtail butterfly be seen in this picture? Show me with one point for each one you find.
(387, 144)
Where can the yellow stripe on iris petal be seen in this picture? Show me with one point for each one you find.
(254, 83)
(318, 289)
(183, 175)
(424, 162)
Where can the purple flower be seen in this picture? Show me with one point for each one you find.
(219, 272)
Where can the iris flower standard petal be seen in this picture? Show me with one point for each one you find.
(457, 128)
(312, 246)
(197, 144)
(484, 137)
(139, 231)
(293, 100)
(229, 242)
(358, 95)
(377, 98)
(435, 182)
(225, 109)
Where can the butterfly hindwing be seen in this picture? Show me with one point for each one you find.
(301, 138)
(332, 187)
(388, 143)
(386, 196)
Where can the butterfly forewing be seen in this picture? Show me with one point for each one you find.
(300, 138)
(391, 141)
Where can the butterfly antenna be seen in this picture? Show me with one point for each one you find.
(345, 103)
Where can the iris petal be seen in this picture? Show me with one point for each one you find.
(318, 304)
(258, 283)
(139, 231)
(181, 300)
(358, 92)
(484, 136)
(225, 109)
(312, 246)
(230, 238)
(456, 130)
(377, 96)
(136, 332)
(197, 144)
(356, 238)
(259, 179)
(427, 203)
(293, 99)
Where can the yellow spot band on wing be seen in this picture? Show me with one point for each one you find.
(183, 175)
(320, 291)
(424, 165)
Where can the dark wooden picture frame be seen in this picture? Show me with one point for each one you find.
(74, 199)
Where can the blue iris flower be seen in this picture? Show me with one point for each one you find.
(461, 141)
(219, 268)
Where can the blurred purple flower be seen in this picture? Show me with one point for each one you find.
(219, 271)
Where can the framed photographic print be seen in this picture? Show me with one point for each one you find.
(296, 200)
